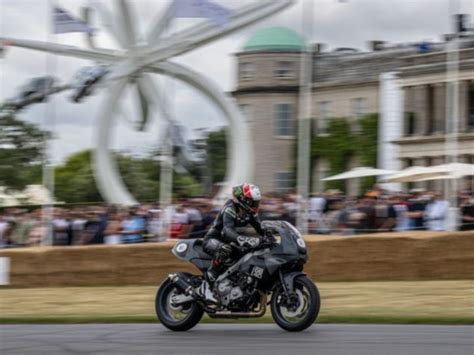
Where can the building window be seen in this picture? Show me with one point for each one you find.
(430, 110)
(284, 120)
(284, 181)
(246, 70)
(359, 107)
(284, 70)
(470, 110)
(324, 114)
(410, 124)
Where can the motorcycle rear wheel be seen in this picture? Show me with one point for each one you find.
(308, 304)
(177, 318)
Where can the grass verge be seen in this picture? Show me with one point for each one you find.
(427, 302)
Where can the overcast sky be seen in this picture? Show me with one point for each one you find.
(349, 23)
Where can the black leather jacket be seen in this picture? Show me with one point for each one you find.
(230, 218)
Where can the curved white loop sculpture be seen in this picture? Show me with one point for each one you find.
(135, 60)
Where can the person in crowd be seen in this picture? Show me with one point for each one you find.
(113, 231)
(62, 232)
(133, 227)
(156, 225)
(180, 225)
(317, 205)
(366, 214)
(23, 223)
(436, 213)
(385, 214)
(400, 206)
(467, 213)
(5, 228)
(416, 210)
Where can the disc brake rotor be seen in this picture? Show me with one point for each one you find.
(295, 313)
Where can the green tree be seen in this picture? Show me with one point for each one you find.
(366, 145)
(21, 152)
(337, 147)
(74, 180)
(340, 144)
(217, 155)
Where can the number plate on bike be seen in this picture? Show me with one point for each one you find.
(257, 272)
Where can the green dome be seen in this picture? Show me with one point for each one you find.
(279, 39)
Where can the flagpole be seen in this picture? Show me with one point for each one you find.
(166, 162)
(49, 123)
(452, 118)
(304, 119)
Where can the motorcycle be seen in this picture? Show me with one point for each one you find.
(272, 271)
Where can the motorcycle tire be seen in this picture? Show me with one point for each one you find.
(305, 288)
(192, 315)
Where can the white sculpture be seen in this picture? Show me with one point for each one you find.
(137, 60)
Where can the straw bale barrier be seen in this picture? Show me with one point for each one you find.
(388, 257)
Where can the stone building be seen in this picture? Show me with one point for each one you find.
(346, 83)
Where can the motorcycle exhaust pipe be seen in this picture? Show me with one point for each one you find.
(257, 313)
(179, 280)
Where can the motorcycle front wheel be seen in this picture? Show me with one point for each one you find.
(177, 318)
(300, 310)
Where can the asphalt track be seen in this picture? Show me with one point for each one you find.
(330, 339)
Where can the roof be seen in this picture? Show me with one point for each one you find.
(279, 39)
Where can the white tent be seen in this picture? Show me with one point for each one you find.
(358, 173)
(437, 172)
(413, 173)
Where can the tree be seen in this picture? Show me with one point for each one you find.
(217, 155)
(340, 144)
(21, 152)
(367, 144)
(337, 147)
(74, 180)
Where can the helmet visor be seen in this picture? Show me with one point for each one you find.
(252, 204)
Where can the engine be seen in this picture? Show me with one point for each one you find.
(236, 292)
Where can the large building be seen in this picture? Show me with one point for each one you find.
(346, 83)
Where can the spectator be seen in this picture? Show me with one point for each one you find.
(416, 210)
(133, 227)
(467, 213)
(436, 213)
(112, 233)
(156, 225)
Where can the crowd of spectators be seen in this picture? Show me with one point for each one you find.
(328, 213)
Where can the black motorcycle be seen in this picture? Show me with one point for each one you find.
(275, 268)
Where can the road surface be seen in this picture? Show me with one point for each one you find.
(321, 339)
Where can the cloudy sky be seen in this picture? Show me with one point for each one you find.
(348, 23)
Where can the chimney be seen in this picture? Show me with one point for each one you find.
(376, 45)
(318, 48)
(460, 23)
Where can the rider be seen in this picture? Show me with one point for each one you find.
(239, 211)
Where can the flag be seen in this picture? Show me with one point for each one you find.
(64, 22)
(220, 15)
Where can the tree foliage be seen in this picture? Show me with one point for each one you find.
(217, 155)
(21, 152)
(75, 182)
(336, 147)
(341, 144)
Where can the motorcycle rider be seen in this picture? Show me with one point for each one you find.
(240, 211)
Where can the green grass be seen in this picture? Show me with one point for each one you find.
(426, 302)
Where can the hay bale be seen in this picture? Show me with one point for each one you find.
(388, 257)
